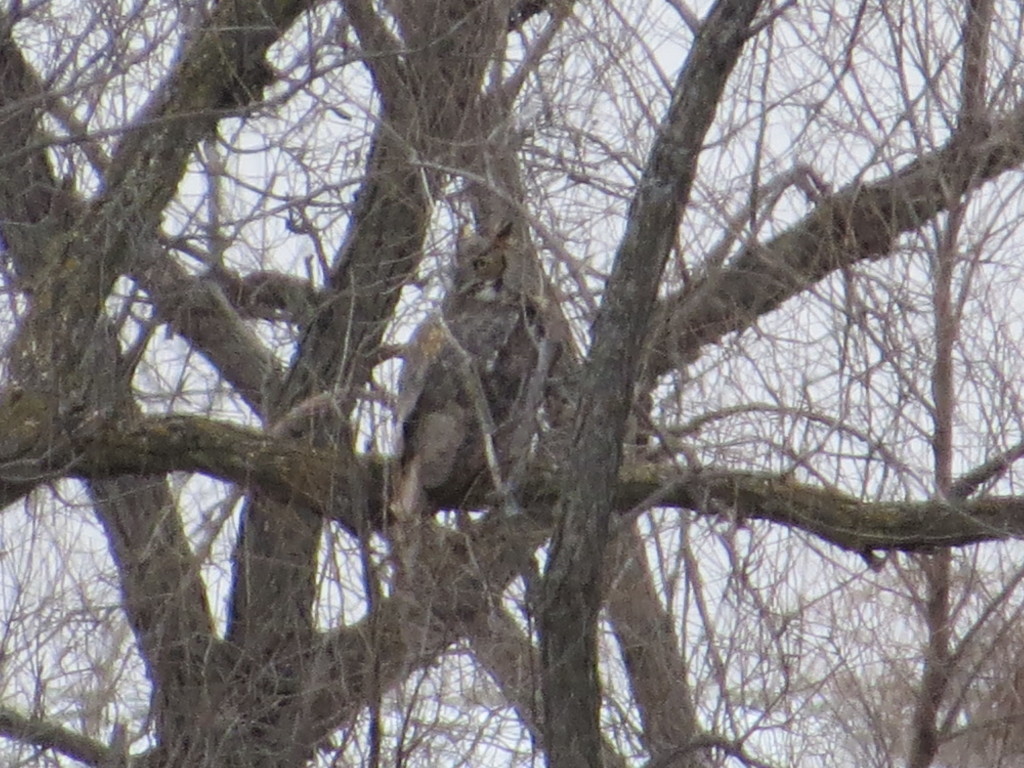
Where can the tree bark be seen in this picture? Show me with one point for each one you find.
(572, 582)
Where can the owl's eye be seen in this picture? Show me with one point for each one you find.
(479, 262)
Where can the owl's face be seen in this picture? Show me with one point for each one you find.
(480, 266)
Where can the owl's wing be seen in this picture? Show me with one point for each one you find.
(423, 350)
(432, 424)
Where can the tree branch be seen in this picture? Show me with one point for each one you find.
(33, 206)
(968, 483)
(292, 472)
(460, 573)
(224, 66)
(860, 222)
(196, 308)
(650, 650)
(510, 658)
(46, 735)
(381, 50)
(31, 199)
(572, 594)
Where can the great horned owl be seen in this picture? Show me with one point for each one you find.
(468, 371)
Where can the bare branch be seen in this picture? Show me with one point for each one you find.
(289, 470)
(970, 482)
(505, 651)
(572, 599)
(46, 735)
(860, 222)
(196, 308)
(710, 744)
(650, 650)
(223, 67)
(32, 200)
(381, 49)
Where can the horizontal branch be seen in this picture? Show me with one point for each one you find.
(43, 734)
(290, 471)
(839, 519)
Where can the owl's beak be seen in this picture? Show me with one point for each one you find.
(485, 290)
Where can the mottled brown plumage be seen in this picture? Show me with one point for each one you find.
(472, 369)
